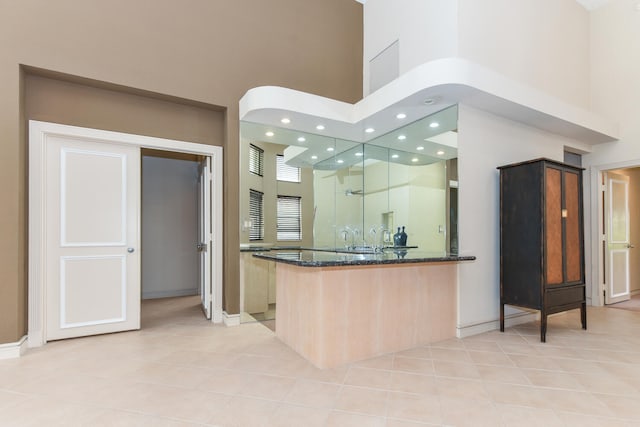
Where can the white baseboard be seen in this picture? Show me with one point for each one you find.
(230, 319)
(492, 325)
(13, 350)
(169, 294)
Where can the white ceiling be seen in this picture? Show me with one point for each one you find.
(587, 4)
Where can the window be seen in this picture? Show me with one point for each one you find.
(256, 214)
(256, 160)
(286, 172)
(289, 218)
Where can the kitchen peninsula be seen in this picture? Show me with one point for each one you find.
(335, 308)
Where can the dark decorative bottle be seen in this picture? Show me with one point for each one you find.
(403, 237)
(397, 238)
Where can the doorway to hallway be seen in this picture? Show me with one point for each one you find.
(75, 287)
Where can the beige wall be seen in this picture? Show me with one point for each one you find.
(207, 52)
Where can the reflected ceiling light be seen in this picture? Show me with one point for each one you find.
(401, 116)
(302, 139)
(420, 148)
(394, 156)
(434, 124)
(359, 154)
(320, 127)
(269, 133)
(314, 157)
(415, 159)
(402, 137)
(285, 120)
(330, 149)
(440, 153)
(340, 161)
(369, 130)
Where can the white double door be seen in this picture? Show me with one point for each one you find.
(92, 236)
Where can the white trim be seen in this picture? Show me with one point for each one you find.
(39, 132)
(13, 350)
(231, 319)
(492, 325)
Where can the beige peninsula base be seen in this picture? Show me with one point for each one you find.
(337, 315)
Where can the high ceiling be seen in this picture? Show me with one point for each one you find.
(588, 4)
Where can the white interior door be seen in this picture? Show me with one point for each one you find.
(617, 238)
(92, 266)
(204, 225)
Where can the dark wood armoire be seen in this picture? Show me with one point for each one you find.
(541, 239)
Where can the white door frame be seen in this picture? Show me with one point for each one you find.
(38, 134)
(595, 274)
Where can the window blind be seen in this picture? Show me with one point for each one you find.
(289, 218)
(256, 160)
(286, 172)
(256, 214)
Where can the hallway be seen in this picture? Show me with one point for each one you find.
(179, 370)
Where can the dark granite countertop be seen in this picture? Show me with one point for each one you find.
(323, 258)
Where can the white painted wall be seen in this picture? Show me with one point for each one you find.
(426, 30)
(615, 90)
(541, 43)
(486, 141)
(170, 262)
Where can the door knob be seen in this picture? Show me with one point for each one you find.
(630, 246)
(130, 250)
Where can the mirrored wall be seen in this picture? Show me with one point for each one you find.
(356, 195)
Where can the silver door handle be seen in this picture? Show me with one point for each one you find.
(130, 250)
(630, 246)
(201, 247)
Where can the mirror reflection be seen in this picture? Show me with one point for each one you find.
(315, 191)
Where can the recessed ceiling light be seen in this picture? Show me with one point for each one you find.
(314, 157)
(269, 133)
(302, 139)
(434, 124)
(329, 148)
(369, 130)
(359, 154)
(429, 101)
(420, 148)
(286, 121)
(340, 161)
(440, 152)
(415, 159)
(401, 116)
(394, 156)
(320, 127)
(402, 137)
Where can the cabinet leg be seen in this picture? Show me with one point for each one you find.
(501, 317)
(543, 327)
(583, 315)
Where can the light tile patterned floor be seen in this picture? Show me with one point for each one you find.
(180, 370)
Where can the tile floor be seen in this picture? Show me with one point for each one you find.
(180, 370)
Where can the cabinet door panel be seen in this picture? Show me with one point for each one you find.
(553, 226)
(573, 250)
